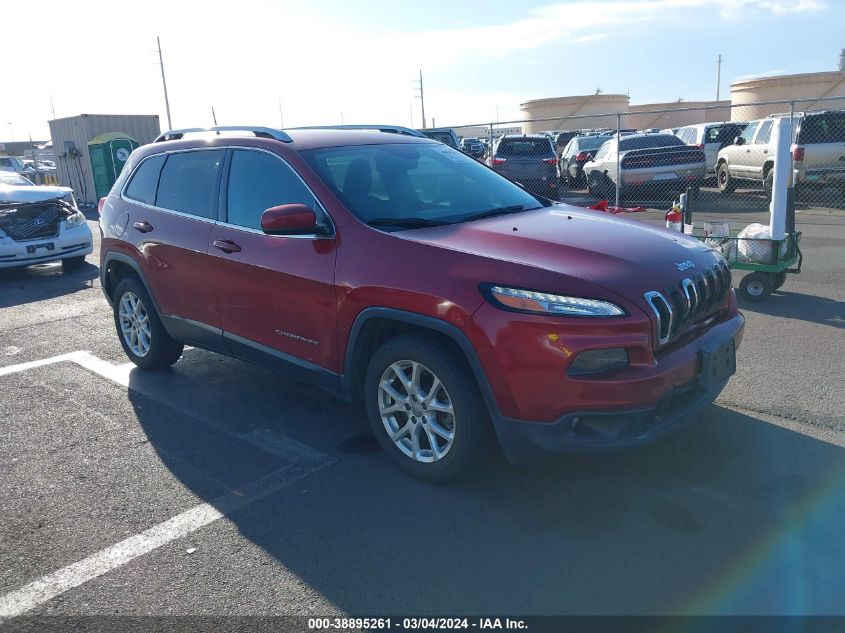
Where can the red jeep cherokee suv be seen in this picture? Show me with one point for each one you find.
(395, 270)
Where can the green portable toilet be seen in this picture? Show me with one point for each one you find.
(109, 153)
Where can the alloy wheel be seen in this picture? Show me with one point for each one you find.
(416, 411)
(134, 324)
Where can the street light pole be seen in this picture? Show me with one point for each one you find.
(164, 84)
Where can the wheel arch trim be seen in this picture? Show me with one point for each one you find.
(453, 332)
(122, 258)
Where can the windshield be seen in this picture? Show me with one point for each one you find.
(409, 181)
(591, 142)
(9, 178)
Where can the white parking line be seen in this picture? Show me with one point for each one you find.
(48, 587)
(304, 461)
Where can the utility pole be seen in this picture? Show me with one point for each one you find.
(842, 61)
(281, 117)
(422, 100)
(718, 76)
(164, 84)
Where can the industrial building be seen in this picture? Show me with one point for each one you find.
(91, 149)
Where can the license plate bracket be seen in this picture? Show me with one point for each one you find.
(31, 248)
(718, 363)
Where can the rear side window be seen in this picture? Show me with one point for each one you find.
(258, 181)
(187, 182)
(748, 132)
(827, 127)
(765, 133)
(525, 147)
(144, 181)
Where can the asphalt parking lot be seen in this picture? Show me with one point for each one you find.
(219, 488)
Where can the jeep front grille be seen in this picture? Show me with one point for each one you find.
(677, 307)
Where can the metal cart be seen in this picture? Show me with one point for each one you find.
(769, 261)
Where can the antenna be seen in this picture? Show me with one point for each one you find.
(213, 116)
(164, 84)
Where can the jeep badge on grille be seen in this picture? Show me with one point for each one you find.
(684, 265)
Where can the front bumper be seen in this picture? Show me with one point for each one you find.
(608, 430)
(75, 242)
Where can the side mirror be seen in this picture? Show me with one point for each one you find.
(290, 219)
(739, 140)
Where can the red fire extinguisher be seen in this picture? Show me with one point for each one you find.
(674, 218)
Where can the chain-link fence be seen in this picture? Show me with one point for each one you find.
(723, 154)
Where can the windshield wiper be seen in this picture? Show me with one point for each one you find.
(491, 213)
(411, 223)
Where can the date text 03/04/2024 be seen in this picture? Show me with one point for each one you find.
(417, 623)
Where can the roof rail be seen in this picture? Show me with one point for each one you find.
(389, 129)
(263, 132)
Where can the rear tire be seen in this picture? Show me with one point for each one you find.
(419, 415)
(71, 264)
(756, 286)
(769, 184)
(139, 329)
(727, 184)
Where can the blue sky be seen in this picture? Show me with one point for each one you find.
(330, 58)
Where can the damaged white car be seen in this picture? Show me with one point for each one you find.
(40, 224)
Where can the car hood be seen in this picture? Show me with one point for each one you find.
(625, 256)
(25, 193)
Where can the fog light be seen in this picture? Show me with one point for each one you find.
(596, 361)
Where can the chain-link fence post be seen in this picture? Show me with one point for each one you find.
(618, 150)
(491, 140)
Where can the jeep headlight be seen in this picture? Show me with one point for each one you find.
(74, 219)
(536, 302)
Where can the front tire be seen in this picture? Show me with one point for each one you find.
(424, 408)
(727, 184)
(756, 286)
(139, 329)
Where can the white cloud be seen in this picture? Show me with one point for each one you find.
(590, 37)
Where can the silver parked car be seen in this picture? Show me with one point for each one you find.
(653, 162)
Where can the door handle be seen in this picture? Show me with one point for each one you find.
(143, 227)
(227, 246)
(765, 151)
